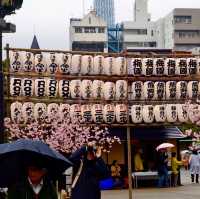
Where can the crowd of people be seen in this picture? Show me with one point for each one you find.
(167, 164)
(89, 169)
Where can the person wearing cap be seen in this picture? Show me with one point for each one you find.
(36, 185)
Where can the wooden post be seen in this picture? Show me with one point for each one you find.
(129, 162)
(1, 92)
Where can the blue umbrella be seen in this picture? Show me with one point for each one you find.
(16, 156)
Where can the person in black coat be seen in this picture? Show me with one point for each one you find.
(89, 169)
(162, 169)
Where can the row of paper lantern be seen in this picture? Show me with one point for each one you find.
(99, 113)
(100, 65)
(87, 89)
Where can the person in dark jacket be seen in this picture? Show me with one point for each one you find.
(162, 169)
(89, 169)
(35, 186)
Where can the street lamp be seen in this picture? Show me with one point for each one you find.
(7, 7)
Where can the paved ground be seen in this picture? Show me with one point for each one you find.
(188, 191)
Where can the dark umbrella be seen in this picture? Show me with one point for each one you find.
(16, 156)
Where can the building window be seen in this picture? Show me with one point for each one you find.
(188, 33)
(183, 19)
(90, 30)
(139, 31)
(142, 31)
(78, 30)
(152, 33)
(101, 30)
(90, 21)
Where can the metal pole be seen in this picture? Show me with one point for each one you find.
(129, 162)
(1, 93)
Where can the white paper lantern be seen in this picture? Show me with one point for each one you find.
(65, 63)
(52, 87)
(193, 89)
(40, 111)
(28, 62)
(16, 87)
(182, 113)
(149, 90)
(40, 87)
(147, 66)
(109, 113)
(160, 113)
(136, 67)
(15, 61)
(86, 112)
(75, 111)
(109, 90)
(121, 113)
(181, 90)
(136, 114)
(40, 63)
(192, 66)
(120, 66)
(97, 113)
(64, 89)
(27, 87)
(170, 67)
(64, 111)
(28, 112)
(16, 112)
(97, 89)
(171, 112)
(181, 66)
(192, 110)
(87, 64)
(159, 90)
(198, 66)
(121, 90)
(148, 113)
(137, 90)
(75, 89)
(53, 110)
(52, 63)
(86, 89)
(171, 90)
(98, 65)
(109, 65)
(159, 66)
(75, 64)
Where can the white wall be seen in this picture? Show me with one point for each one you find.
(169, 31)
(90, 20)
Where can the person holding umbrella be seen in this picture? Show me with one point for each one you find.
(163, 164)
(28, 167)
(35, 185)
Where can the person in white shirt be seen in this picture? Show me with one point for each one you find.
(36, 185)
(194, 163)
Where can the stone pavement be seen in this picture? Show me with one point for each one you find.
(188, 191)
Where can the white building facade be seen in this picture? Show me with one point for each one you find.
(88, 33)
(179, 30)
(139, 33)
(182, 29)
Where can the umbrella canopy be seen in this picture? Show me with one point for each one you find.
(164, 146)
(16, 156)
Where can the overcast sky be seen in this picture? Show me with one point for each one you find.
(49, 19)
